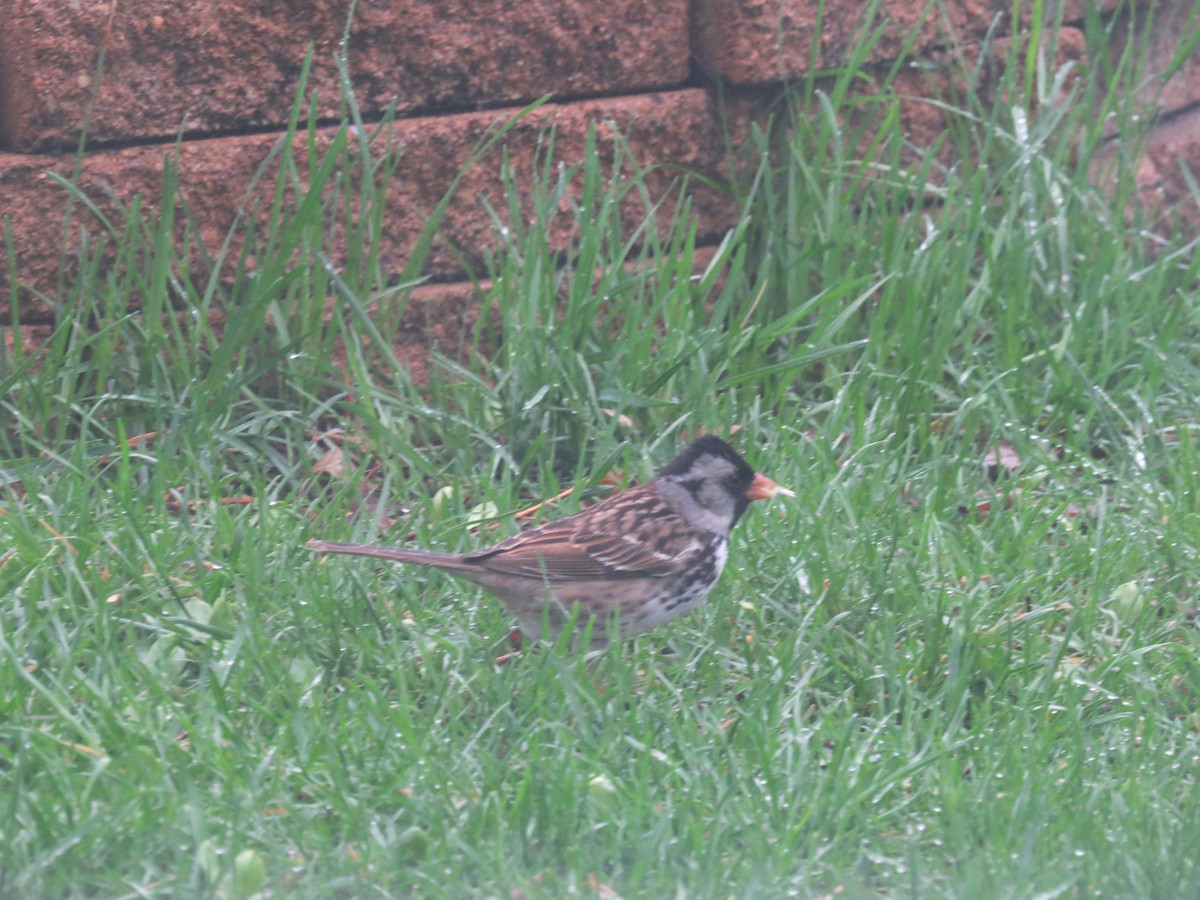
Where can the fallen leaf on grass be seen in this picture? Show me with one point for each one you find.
(984, 501)
(623, 420)
(331, 463)
(176, 503)
(1001, 458)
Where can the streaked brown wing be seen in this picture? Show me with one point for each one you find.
(634, 534)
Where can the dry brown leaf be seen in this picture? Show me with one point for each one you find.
(331, 463)
(623, 420)
(1001, 458)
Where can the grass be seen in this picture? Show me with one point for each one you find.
(914, 679)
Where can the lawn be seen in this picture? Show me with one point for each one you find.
(962, 662)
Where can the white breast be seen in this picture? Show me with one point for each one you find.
(720, 556)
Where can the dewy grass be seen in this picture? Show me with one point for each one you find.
(961, 662)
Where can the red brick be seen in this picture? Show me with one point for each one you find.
(216, 66)
(1160, 30)
(1165, 176)
(925, 98)
(755, 42)
(676, 128)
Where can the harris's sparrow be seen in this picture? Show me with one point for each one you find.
(646, 554)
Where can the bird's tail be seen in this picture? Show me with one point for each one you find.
(397, 554)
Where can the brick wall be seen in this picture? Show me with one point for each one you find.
(222, 76)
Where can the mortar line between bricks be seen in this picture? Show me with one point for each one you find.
(442, 112)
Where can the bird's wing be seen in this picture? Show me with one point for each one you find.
(636, 534)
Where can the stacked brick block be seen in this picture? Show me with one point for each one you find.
(218, 79)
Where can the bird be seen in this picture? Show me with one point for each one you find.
(641, 556)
